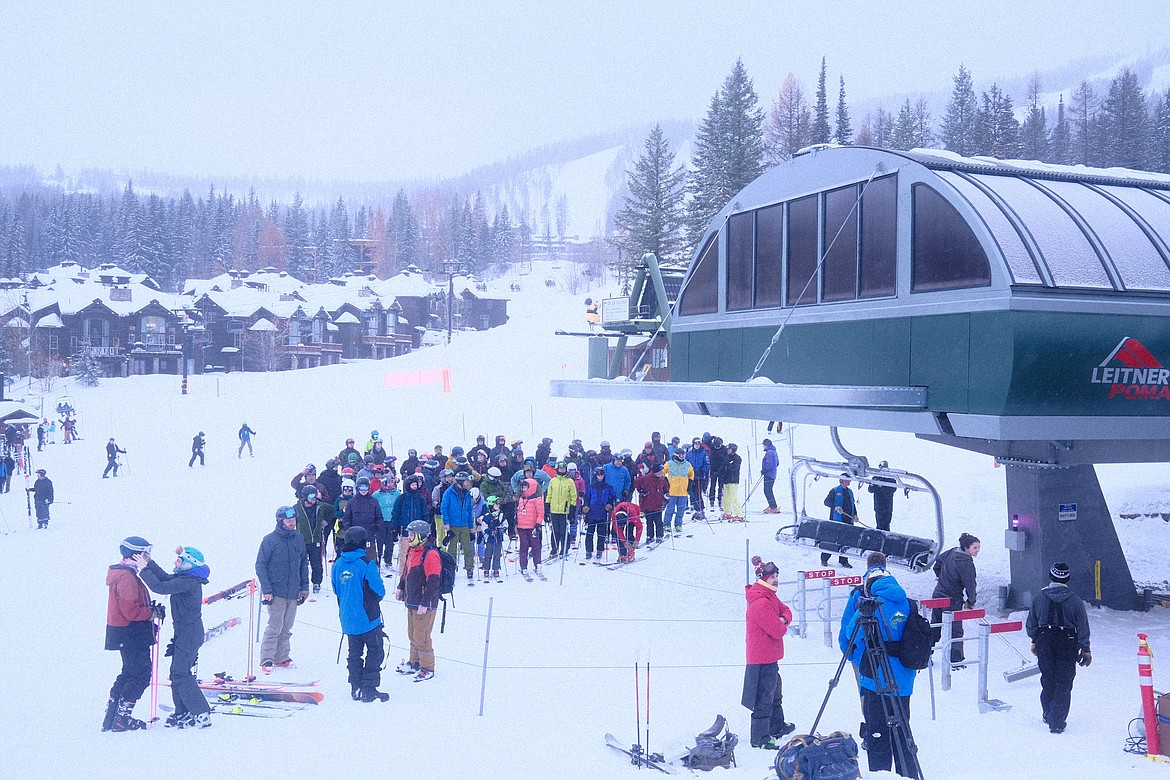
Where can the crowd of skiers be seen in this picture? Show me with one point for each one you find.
(481, 499)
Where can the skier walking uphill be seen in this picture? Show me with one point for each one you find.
(458, 511)
(1059, 629)
(112, 453)
(599, 502)
(360, 590)
(418, 588)
(842, 509)
(732, 510)
(529, 520)
(185, 587)
(130, 631)
(955, 570)
(768, 619)
(42, 491)
(245, 435)
(282, 566)
(679, 474)
(197, 444)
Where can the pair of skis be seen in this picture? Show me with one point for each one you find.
(641, 755)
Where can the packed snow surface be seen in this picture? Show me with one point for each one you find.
(561, 656)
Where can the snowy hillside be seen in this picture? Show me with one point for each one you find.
(559, 661)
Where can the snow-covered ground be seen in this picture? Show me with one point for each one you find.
(560, 658)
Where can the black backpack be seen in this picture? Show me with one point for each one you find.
(917, 642)
(447, 575)
(807, 757)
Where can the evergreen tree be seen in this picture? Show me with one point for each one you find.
(844, 133)
(405, 235)
(132, 253)
(1127, 123)
(729, 150)
(1160, 135)
(296, 234)
(85, 365)
(651, 219)
(960, 124)
(877, 129)
(503, 238)
(998, 132)
(1060, 140)
(821, 133)
(1034, 130)
(1084, 124)
(344, 258)
(788, 128)
(912, 127)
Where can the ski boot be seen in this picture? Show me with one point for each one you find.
(111, 711)
(372, 694)
(355, 691)
(123, 720)
(406, 667)
(424, 675)
(200, 721)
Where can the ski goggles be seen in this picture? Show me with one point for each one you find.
(363, 488)
(289, 513)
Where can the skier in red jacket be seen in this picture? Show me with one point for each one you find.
(767, 622)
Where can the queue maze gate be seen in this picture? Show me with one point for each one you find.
(822, 597)
(983, 638)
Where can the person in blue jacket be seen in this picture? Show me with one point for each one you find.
(617, 476)
(458, 511)
(599, 502)
(360, 589)
(245, 435)
(768, 466)
(842, 506)
(697, 457)
(892, 612)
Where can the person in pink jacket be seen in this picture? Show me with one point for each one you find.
(768, 619)
(529, 519)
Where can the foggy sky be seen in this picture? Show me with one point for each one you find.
(371, 90)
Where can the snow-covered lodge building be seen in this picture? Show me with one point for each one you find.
(251, 321)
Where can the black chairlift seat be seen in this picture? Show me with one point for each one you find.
(855, 541)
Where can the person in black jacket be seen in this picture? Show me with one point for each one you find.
(315, 518)
(112, 452)
(955, 570)
(729, 478)
(717, 457)
(364, 511)
(1059, 629)
(185, 587)
(42, 491)
(883, 498)
(282, 566)
(329, 480)
(197, 450)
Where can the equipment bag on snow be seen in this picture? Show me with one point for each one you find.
(713, 747)
(917, 642)
(809, 757)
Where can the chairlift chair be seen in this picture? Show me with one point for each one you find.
(854, 541)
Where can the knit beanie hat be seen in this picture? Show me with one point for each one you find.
(1059, 572)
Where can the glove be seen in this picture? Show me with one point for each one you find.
(302, 597)
(1085, 659)
(158, 610)
(266, 599)
(170, 649)
(1033, 648)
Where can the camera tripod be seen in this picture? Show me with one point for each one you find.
(875, 664)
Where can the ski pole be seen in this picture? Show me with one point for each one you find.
(647, 707)
(637, 712)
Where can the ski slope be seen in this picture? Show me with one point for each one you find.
(560, 656)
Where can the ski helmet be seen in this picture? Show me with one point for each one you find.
(310, 469)
(363, 483)
(355, 536)
(353, 457)
(679, 454)
(475, 494)
(600, 471)
(189, 558)
(285, 513)
(347, 483)
(373, 434)
(604, 445)
(546, 441)
(462, 476)
(349, 441)
(562, 468)
(412, 453)
(132, 545)
(621, 515)
(420, 528)
(733, 447)
(570, 466)
(309, 491)
(456, 451)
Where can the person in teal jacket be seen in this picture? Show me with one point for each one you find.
(892, 611)
(359, 588)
